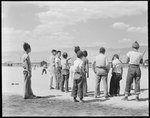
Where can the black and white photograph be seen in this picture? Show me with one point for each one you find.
(75, 58)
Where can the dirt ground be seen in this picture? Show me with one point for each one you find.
(56, 103)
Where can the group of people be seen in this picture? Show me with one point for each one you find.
(60, 69)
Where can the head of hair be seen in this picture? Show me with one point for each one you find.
(58, 51)
(85, 54)
(26, 46)
(53, 50)
(76, 49)
(65, 55)
(115, 55)
(79, 54)
(102, 50)
(135, 45)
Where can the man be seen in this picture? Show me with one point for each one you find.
(58, 69)
(52, 69)
(134, 58)
(101, 68)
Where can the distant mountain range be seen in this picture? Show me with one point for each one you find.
(15, 56)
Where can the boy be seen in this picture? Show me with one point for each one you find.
(71, 74)
(58, 69)
(86, 72)
(52, 69)
(117, 71)
(28, 93)
(134, 58)
(101, 68)
(65, 72)
(78, 78)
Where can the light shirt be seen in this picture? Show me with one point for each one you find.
(101, 60)
(64, 64)
(26, 63)
(52, 60)
(73, 58)
(117, 66)
(58, 62)
(78, 65)
(135, 57)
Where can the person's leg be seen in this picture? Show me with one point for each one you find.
(97, 86)
(129, 80)
(118, 78)
(137, 83)
(74, 90)
(42, 71)
(104, 79)
(62, 83)
(51, 81)
(111, 88)
(80, 89)
(26, 85)
(84, 86)
(66, 82)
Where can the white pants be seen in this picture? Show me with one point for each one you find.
(52, 77)
(71, 76)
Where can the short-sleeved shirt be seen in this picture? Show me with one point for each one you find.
(78, 65)
(117, 65)
(65, 64)
(26, 63)
(57, 62)
(101, 60)
(52, 61)
(135, 57)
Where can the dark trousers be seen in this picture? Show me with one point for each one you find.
(77, 88)
(115, 84)
(134, 71)
(58, 78)
(65, 79)
(85, 85)
(44, 71)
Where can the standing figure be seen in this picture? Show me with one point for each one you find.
(28, 93)
(65, 72)
(117, 71)
(58, 69)
(86, 72)
(71, 70)
(44, 69)
(134, 58)
(78, 78)
(52, 69)
(101, 68)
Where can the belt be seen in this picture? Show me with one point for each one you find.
(137, 65)
(100, 67)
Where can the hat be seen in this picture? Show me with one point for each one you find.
(135, 45)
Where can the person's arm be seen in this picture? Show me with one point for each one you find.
(93, 66)
(27, 63)
(128, 58)
(121, 71)
(87, 68)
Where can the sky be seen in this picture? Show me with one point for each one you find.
(53, 24)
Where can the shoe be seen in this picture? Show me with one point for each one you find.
(81, 100)
(62, 91)
(75, 100)
(129, 94)
(106, 97)
(137, 99)
(86, 95)
(125, 98)
(51, 88)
